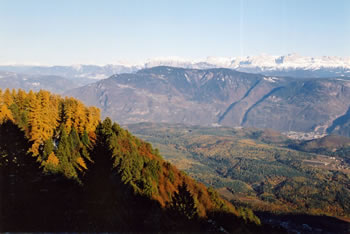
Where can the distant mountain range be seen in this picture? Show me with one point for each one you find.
(288, 65)
(223, 97)
(286, 93)
(74, 71)
(53, 83)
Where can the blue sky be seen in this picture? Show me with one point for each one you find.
(101, 32)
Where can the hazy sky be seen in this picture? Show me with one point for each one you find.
(102, 31)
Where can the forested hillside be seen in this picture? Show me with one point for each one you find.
(261, 169)
(62, 169)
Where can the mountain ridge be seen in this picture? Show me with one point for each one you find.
(284, 65)
(220, 96)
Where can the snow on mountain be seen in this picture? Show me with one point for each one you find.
(264, 62)
(286, 65)
(324, 66)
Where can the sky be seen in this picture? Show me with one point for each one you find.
(114, 31)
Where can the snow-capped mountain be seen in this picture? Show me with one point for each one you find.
(257, 63)
(287, 65)
(292, 65)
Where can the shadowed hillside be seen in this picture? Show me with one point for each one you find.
(62, 169)
(261, 169)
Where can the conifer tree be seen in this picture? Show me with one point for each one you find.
(20, 99)
(7, 97)
(74, 139)
(34, 121)
(18, 170)
(48, 114)
(48, 149)
(80, 120)
(85, 139)
(64, 155)
(68, 114)
(183, 204)
(100, 188)
(5, 114)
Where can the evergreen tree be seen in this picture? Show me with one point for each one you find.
(19, 173)
(182, 204)
(65, 156)
(85, 139)
(48, 149)
(100, 188)
(74, 139)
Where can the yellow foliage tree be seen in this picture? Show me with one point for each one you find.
(5, 114)
(68, 114)
(40, 114)
(7, 97)
(93, 118)
(81, 162)
(52, 159)
(35, 122)
(48, 114)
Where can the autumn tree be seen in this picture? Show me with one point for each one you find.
(5, 114)
(7, 98)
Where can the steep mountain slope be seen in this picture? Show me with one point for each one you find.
(303, 105)
(221, 96)
(341, 125)
(165, 94)
(62, 169)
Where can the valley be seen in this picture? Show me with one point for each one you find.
(261, 169)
